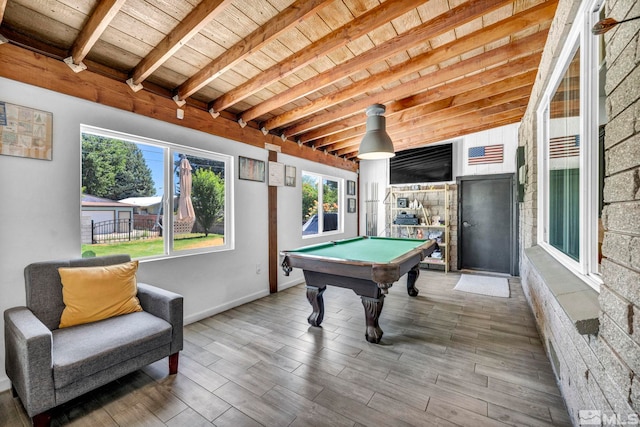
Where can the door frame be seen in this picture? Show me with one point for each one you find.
(513, 214)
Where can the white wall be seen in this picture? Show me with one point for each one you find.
(40, 211)
(377, 171)
(290, 213)
(374, 175)
(507, 135)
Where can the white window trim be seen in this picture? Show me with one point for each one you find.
(341, 205)
(171, 148)
(579, 36)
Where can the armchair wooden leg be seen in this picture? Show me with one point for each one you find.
(173, 364)
(42, 420)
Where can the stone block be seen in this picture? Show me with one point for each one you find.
(622, 127)
(622, 187)
(635, 395)
(622, 217)
(606, 382)
(626, 349)
(614, 306)
(622, 280)
(621, 247)
(625, 94)
(622, 35)
(596, 393)
(618, 373)
(623, 156)
(636, 326)
(623, 63)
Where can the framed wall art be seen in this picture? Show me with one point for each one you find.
(290, 176)
(251, 169)
(25, 132)
(351, 188)
(276, 174)
(351, 205)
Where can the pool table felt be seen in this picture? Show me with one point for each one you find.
(372, 249)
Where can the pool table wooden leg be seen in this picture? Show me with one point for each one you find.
(314, 295)
(372, 310)
(412, 276)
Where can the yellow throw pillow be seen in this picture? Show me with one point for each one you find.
(95, 293)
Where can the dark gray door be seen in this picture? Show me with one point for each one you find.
(486, 223)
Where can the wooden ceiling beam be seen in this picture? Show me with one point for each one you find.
(507, 101)
(332, 122)
(196, 20)
(435, 27)
(526, 19)
(451, 134)
(359, 131)
(284, 21)
(34, 69)
(464, 125)
(358, 27)
(518, 73)
(99, 20)
(457, 107)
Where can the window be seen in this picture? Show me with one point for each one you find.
(320, 193)
(570, 155)
(150, 198)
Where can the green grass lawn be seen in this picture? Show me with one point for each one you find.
(150, 247)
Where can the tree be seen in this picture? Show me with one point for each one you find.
(114, 169)
(329, 196)
(196, 163)
(207, 196)
(309, 197)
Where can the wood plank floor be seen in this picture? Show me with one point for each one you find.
(446, 358)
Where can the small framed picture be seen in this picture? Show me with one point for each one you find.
(290, 176)
(351, 188)
(251, 169)
(351, 205)
(276, 174)
(25, 132)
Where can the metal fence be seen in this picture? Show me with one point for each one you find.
(123, 230)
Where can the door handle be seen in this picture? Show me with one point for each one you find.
(466, 224)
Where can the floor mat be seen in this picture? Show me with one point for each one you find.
(483, 285)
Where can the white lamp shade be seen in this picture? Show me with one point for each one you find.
(376, 143)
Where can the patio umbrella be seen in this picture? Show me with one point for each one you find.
(185, 206)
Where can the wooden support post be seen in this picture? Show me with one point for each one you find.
(273, 231)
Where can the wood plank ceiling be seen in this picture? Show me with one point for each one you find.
(305, 70)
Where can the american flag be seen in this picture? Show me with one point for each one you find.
(564, 146)
(486, 154)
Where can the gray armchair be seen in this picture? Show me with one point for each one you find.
(49, 366)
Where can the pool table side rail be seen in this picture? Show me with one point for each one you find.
(377, 272)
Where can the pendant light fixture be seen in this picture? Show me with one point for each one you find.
(376, 143)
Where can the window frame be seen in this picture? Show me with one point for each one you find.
(169, 149)
(579, 37)
(341, 199)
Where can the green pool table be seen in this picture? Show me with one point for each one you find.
(367, 265)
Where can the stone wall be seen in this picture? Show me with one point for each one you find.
(619, 298)
(596, 371)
